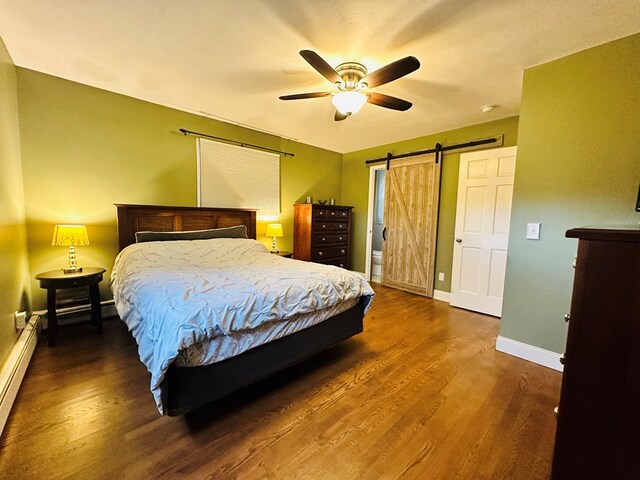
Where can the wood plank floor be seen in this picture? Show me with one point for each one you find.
(422, 394)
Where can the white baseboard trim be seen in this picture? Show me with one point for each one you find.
(442, 296)
(528, 352)
(15, 367)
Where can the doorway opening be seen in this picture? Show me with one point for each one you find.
(375, 221)
(378, 226)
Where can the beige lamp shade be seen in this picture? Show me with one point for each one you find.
(274, 230)
(67, 235)
(70, 236)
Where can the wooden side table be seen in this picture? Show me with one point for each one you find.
(57, 279)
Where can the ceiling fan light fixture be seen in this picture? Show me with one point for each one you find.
(349, 103)
(351, 78)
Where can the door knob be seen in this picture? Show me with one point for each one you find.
(458, 240)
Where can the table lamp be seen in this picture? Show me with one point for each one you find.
(70, 236)
(274, 230)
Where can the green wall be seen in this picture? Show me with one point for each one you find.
(14, 273)
(355, 186)
(578, 164)
(84, 149)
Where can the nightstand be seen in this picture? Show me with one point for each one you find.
(284, 254)
(57, 280)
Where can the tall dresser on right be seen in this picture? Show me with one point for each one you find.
(322, 234)
(598, 433)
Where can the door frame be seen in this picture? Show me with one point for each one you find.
(370, 205)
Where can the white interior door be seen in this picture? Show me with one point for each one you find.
(485, 188)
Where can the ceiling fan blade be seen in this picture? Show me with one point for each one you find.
(317, 62)
(388, 101)
(392, 72)
(300, 96)
(340, 116)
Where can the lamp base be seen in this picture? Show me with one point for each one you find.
(72, 270)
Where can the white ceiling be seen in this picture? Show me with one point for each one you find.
(231, 59)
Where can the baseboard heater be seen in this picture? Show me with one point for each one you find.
(15, 367)
(78, 314)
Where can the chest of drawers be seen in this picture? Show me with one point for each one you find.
(598, 434)
(322, 234)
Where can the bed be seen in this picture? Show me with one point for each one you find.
(214, 315)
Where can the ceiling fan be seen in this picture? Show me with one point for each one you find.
(352, 78)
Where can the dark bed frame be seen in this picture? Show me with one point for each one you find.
(186, 388)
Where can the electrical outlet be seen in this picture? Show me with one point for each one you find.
(533, 231)
(20, 319)
(441, 276)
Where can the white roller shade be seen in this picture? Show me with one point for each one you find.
(237, 177)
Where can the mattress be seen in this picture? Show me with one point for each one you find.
(202, 301)
(220, 348)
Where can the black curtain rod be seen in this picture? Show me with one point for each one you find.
(437, 150)
(235, 142)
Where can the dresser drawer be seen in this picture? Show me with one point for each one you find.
(330, 226)
(321, 253)
(338, 262)
(329, 238)
(338, 214)
(330, 213)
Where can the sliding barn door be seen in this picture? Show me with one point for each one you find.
(411, 218)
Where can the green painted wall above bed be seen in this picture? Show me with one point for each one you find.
(85, 149)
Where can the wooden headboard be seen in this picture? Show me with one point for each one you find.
(158, 218)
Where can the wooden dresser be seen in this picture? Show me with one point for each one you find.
(322, 234)
(598, 434)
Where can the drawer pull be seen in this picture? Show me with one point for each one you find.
(342, 251)
(320, 253)
(333, 213)
(324, 239)
(567, 317)
(341, 265)
(339, 238)
(324, 226)
(340, 226)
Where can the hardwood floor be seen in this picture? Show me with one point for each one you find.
(422, 393)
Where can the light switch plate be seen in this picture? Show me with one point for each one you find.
(533, 231)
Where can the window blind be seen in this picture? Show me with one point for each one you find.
(237, 177)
